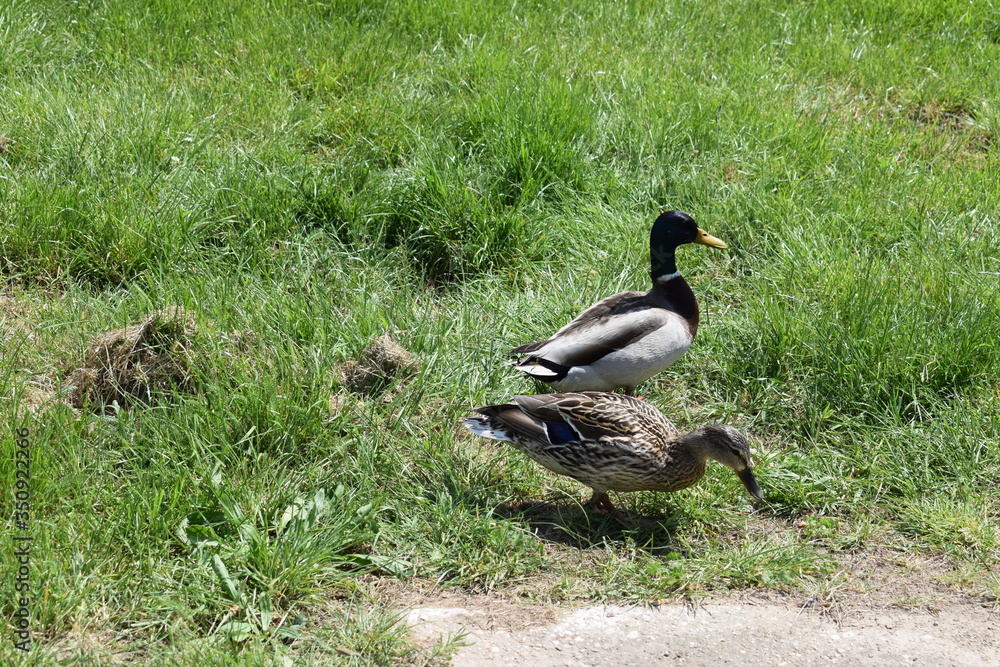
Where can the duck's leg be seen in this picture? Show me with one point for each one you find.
(601, 502)
(630, 391)
(603, 505)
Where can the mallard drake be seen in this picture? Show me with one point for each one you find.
(613, 442)
(631, 336)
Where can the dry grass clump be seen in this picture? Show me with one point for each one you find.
(137, 363)
(383, 361)
(14, 318)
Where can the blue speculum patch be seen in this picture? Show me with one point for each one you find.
(559, 433)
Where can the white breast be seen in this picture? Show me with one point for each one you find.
(633, 364)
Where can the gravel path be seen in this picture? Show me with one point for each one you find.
(715, 633)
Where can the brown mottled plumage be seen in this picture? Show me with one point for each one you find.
(613, 442)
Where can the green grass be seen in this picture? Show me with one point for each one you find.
(469, 177)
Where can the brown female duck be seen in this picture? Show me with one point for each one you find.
(613, 442)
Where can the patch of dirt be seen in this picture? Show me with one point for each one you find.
(954, 121)
(19, 338)
(15, 325)
(953, 118)
(493, 613)
(102, 645)
(885, 578)
(137, 363)
(383, 361)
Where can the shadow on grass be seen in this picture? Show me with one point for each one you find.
(571, 525)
